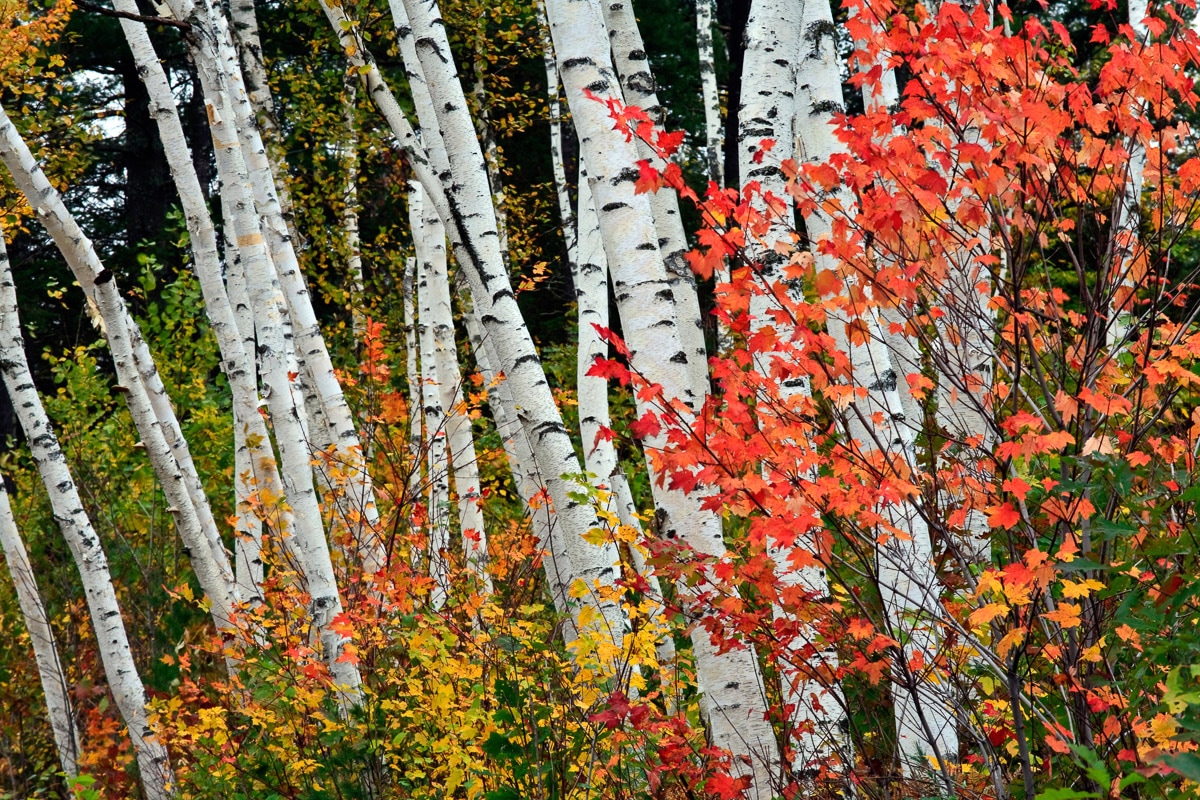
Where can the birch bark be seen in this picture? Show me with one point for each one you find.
(590, 274)
(41, 635)
(350, 208)
(714, 141)
(430, 249)
(307, 545)
(465, 208)
(206, 551)
(459, 439)
(566, 212)
(86, 549)
(523, 465)
(640, 89)
(732, 699)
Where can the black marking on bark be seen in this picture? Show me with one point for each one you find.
(886, 382)
(596, 87)
(827, 107)
(571, 63)
(647, 246)
(105, 275)
(526, 360)
(679, 358)
(628, 174)
(612, 207)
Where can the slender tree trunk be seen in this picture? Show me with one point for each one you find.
(307, 544)
(708, 89)
(350, 209)
(85, 546)
(459, 438)
(362, 522)
(733, 700)
(566, 212)
(208, 558)
(529, 483)
(416, 416)
(430, 247)
(590, 274)
(640, 89)
(244, 24)
(41, 635)
(255, 461)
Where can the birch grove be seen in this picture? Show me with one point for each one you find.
(526, 438)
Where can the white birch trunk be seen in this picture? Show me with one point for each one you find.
(350, 209)
(208, 558)
(528, 481)
(590, 275)
(430, 248)
(307, 545)
(566, 213)
(416, 415)
(925, 722)
(732, 699)
(1123, 235)
(119, 667)
(255, 465)
(640, 89)
(714, 139)
(41, 635)
(491, 151)
(244, 24)
(459, 438)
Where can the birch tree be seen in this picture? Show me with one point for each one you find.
(733, 701)
(37, 623)
(465, 208)
(86, 548)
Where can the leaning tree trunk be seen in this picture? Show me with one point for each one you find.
(590, 275)
(307, 544)
(523, 465)
(464, 205)
(732, 699)
(459, 438)
(209, 559)
(41, 635)
(119, 667)
(637, 83)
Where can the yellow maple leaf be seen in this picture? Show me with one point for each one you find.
(1076, 589)
(1067, 615)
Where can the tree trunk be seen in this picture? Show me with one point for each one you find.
(733, 700)
(307, 544)
(41, 635)
(124, 682)
(430, 247)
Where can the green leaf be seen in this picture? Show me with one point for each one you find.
(1186, 764)
(1065, 793)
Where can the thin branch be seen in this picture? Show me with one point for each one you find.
(186, 27)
